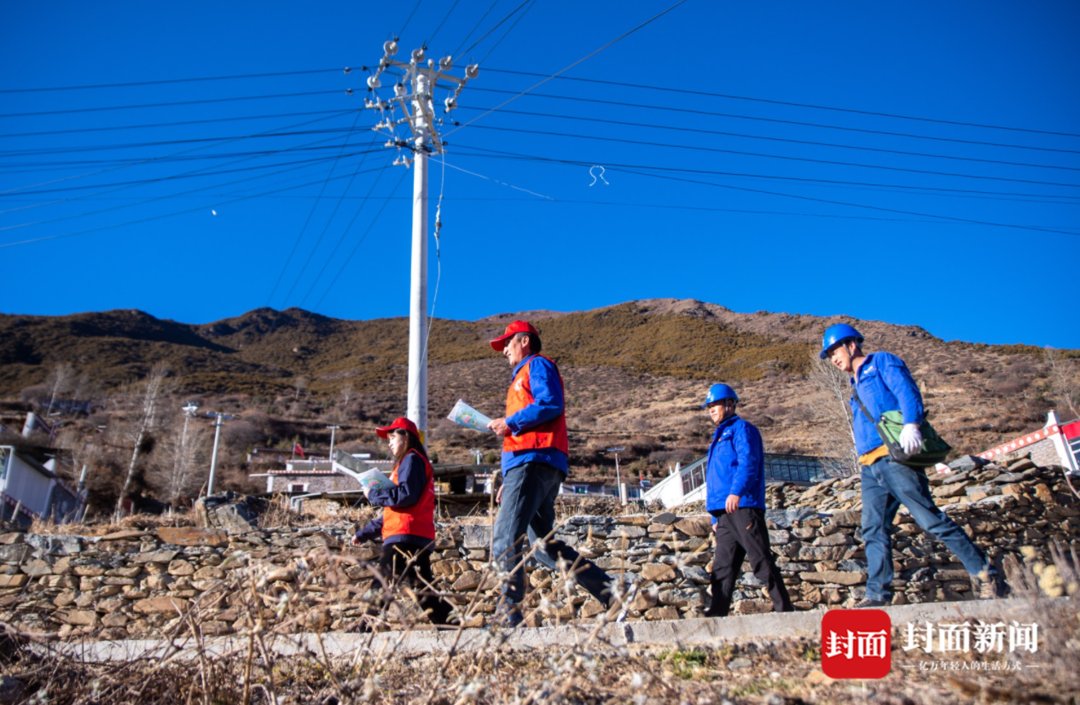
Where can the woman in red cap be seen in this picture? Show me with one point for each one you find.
(407, 524)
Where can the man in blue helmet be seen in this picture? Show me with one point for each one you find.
(883, 383)
(735, 497)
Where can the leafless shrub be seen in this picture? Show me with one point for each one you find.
(146, 421)
(1064, 380)
(837, 428)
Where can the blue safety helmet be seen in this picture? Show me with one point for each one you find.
(719, 392)
(836, 334)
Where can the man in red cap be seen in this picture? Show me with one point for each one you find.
(534, 465)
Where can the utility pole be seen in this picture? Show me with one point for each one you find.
(413, 95)
(218, 416)
(180, 466)
(333, 430)
(618, 477)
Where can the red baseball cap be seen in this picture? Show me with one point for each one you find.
(399, 423)
(511, 330)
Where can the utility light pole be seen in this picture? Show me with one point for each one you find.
(219, 417)
(333, 430)
(179, 467)
(413, 93)
(618, 477)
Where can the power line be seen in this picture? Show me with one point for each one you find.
(639, 170)
(152, 159)
(771, 138)
(333, 214)
(778, 121)
(177, 103)
(816, 181)
(160, 216)
(814, 106)
(360, 241)
(172, 81)
(124, 163)
(571, 65)
(177, 123)
(528, 5)
(431, 38)
(345, 232)
(457, 49)
(786, 157)
(172, 142)
(408, 19)
(203, 172)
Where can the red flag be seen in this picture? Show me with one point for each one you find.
(297, 450)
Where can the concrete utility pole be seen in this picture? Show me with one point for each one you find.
(413, 94)
(333, 431)
(618, 477)
(218, 416)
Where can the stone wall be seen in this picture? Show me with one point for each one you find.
(184, 580)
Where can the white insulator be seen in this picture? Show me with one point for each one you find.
(449, 103)
(399, 89)
(389, 47)
(417, 56)
(472, 70)
(373, 82)
(446, 62)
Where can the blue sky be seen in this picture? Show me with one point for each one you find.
(916, 163)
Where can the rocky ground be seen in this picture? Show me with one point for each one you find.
(771, 673)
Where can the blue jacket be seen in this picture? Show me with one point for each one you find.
(736, 465)
(884, 384)
(548, 404)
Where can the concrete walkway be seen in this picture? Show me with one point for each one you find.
(669, 633)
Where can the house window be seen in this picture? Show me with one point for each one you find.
(693, 479)
(297, 487)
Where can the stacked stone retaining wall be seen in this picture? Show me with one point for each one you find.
(189, 581)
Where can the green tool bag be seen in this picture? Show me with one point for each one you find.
(932, 451)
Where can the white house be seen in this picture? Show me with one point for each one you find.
(30, 489)
(687, 484)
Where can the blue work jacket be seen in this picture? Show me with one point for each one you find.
(736, 465)
(884, 384)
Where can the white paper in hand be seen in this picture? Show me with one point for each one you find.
(464, 415)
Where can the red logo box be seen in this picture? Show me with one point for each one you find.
(856, 644)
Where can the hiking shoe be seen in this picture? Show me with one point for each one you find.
(869, 603)
(990, 585)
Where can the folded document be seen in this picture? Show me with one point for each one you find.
(464, 415)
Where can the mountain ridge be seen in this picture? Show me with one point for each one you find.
(633, 372)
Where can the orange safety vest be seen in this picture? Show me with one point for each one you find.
(419, 519)
(547, 435)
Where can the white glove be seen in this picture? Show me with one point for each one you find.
(910, 438)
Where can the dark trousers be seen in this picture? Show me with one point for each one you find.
(527, 511)
(739, 535)
(410, 564)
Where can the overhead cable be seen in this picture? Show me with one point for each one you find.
(571, 65)
(759, 118)
(814, 106)
(786, 157)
